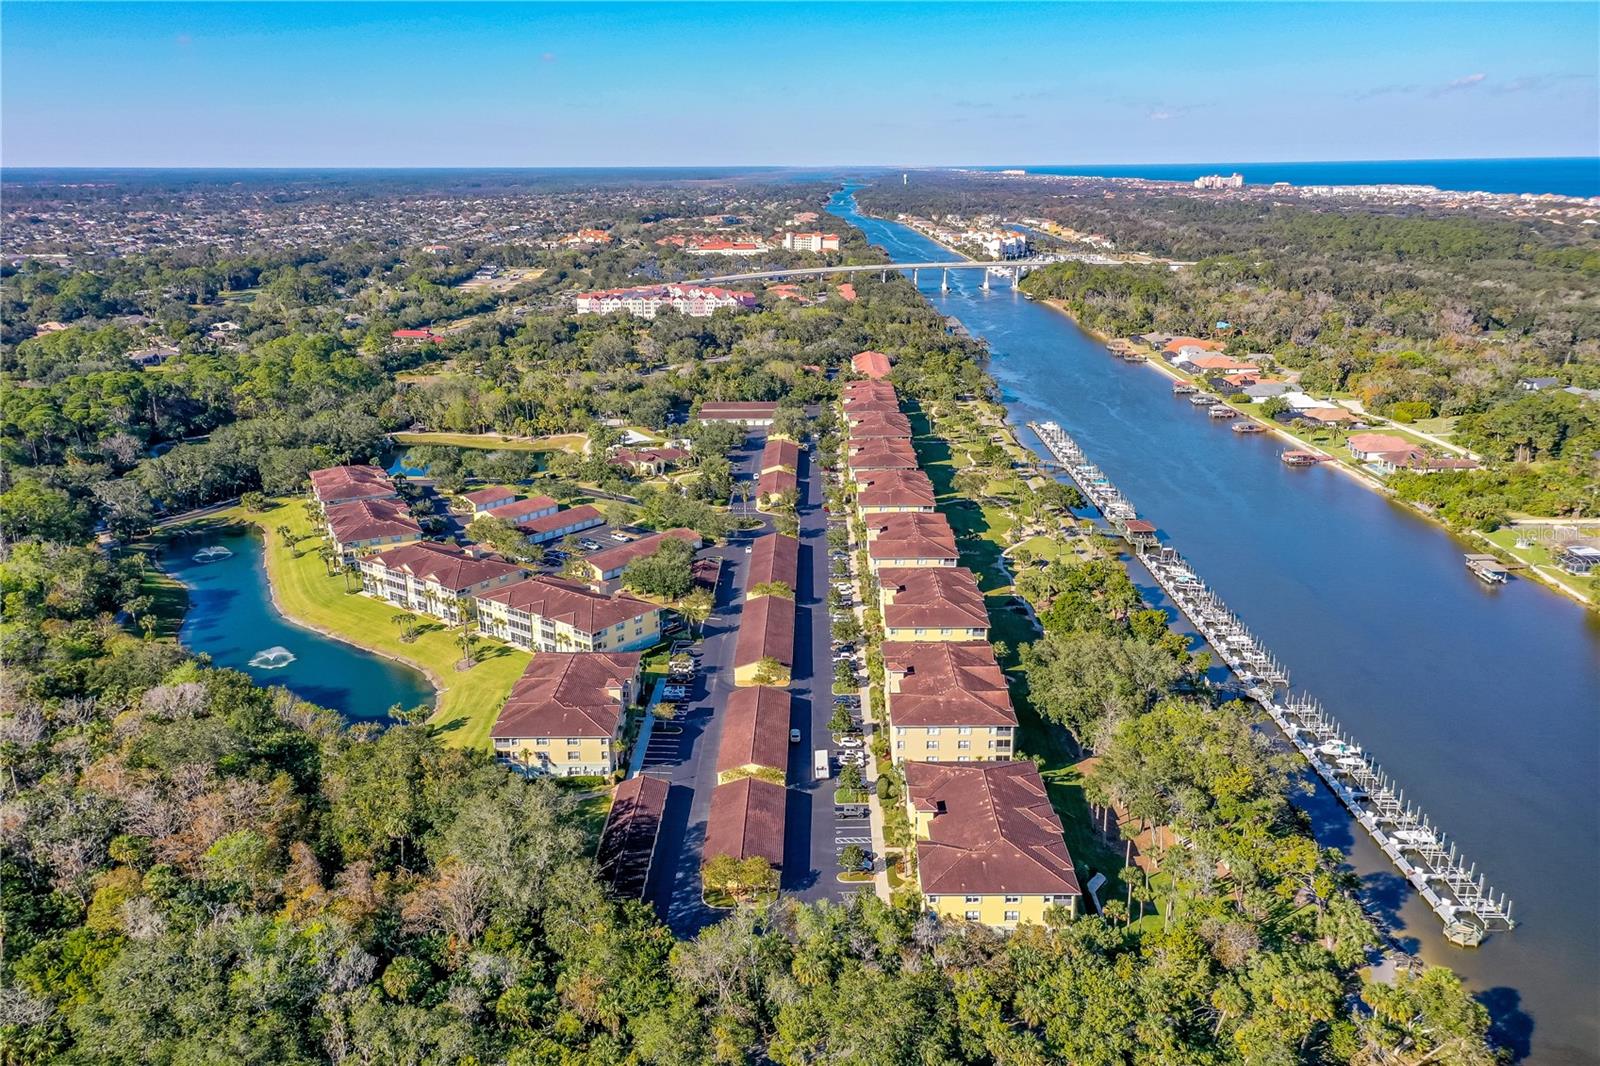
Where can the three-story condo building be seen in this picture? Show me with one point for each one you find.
(565, 715)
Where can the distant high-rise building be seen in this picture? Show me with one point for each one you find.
(1220, 181)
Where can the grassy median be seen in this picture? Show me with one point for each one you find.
(468, 700)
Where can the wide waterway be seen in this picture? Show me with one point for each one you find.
(232, 619)
(1484, 703)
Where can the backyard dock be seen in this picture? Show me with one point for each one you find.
(1453, 889)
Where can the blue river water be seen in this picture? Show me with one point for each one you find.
(1566, 176)
(232, 618)
(1483, 703)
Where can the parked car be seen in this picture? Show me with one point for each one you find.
(847, 742)
(794, 736)
(617, 534)
(589, 545)
(852, 812)
(675, 692)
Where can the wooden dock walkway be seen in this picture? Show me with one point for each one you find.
(1453, 889)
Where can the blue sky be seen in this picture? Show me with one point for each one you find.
(704, 84)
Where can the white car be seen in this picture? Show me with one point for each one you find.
(794, 736)
(848, 742)
(617, 534)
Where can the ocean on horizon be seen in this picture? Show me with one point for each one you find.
(1565, 176)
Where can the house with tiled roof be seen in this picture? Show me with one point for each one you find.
(780, 453)
(766, 632)
(989, 844)
(880, 426)
(555, 524)
(565, 715)
(773, 485)
(947, 702)
(932, 603)
(431, 578)
(874, 365)
(341, 484)
(648, 462)
(359, 524)
(517, 512)
(863, 389)
(751, 413)
(755, 734)
(544, 613)
(746, 821)
(607, 566)
(880, 455)
(774, 557)
(893, 490)
(487, 499)
(915, 539)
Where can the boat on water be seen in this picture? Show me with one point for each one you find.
(1183, 388)
(1200, 399)
(1222, 410)
(1297, 458)
(1488, 569)
(1248, 427)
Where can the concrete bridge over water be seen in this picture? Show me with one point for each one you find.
(1012, 268)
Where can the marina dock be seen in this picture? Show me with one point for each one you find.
(1456, 892)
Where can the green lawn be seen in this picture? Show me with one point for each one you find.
(564, 442)
(468, 700)
(987, 526)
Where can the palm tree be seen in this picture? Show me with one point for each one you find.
(467, 638)
(326, 554)
(696, 608)
(407, 621)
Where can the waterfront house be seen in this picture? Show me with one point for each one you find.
(359, 524)
(947, 701)
(486, 499)
(607, 566)
(341, 484)
(893, 490)
(932, 603)
(1416, 461)
(1327, 416)
(1579, 560)
(914, 539)
(544, 613)
(874, 365)
(565, 715)
(433, 578)
(766, 632)
(1368, 446)
(746, 821)
(753, 413)
(774, 558)
(1176, 348)
(755, 735)
(554, 525)
(989, 844)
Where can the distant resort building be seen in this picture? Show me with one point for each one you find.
(932, 603)
(487, 499)
(811, 242)
(648, 462)
(545, 613)
(751, 413)
(565, 715)
(910, 540)
(947, 702)
(554, 525)
(647, 301)
(880, 491)
(341, 484)
(517, 511)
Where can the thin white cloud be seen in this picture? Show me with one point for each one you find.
(1461, 84)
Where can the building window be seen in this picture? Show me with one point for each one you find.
(974, 899)
(1012, 916)
(965, 730)
(543, 742)
(1013, 899)
(933, 899)
(972, 916)
(963, 744)
(931, 745)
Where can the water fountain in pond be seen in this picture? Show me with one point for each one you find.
(211, 554)
(275, 658)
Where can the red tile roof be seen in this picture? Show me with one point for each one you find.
(776, 483)
(880, 390)
(519, 512)
(873, 426)
(858, 407)
(908, 523)
(755, 730)
(946, 682)
(932, 597)
(873, 364)
(336, 484)
(927, 542)
(616, 558)
(489, 495)
(994, 831)
(737, 412)
(629, 838)
(780, 454)
(568, 694)
(583, 513)
(1377, 442)
(894, 488)
(443, 564)
(774, 557)
(882, 455)
(575, 604)
(1179, 343)
(358, 520)
(746, 820)
(766, 628)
